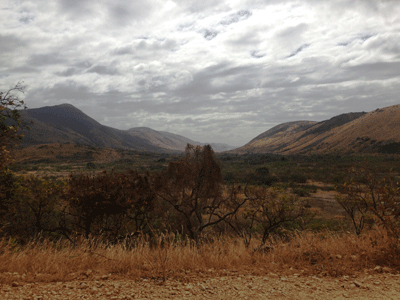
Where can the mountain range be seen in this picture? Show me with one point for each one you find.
(374, 132)
(356, 132)
(67, 124)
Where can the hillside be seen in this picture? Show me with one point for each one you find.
(374, 132)
(66, 124)
(171, 141)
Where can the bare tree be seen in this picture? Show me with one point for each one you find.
(193, 188)
(267, 211)
(10, 122)
(365, 197)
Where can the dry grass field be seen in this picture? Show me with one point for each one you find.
(322, 254)
(323, 265)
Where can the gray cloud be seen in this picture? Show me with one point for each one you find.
(257, 54)
(68, 72)
(210, 34)
(124, 50)
(211, 71)
(103, 70)
(123, 13)
(298, 50)
(236, 17)
(46, 59)
(10, 43)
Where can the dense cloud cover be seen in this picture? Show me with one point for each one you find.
(213, 71)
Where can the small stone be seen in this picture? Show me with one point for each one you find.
(358, 284)
(338, 256)
(378, 269)
(15, 284)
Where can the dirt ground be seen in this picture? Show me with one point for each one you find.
(231, 286)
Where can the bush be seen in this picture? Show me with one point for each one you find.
(366, 196)
(109, 204)
(90, 165)
(33, 208)
(269, 211)
(298, 178)
(192, 187)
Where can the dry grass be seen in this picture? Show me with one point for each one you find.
(326, 254)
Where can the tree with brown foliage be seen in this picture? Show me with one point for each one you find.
(193, 187)
(109, 204)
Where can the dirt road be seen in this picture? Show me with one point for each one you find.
(269, 286)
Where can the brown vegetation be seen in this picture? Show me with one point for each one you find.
(325, 254)
(164, 224)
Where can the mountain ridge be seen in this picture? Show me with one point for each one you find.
(65, 123)
(355, 132)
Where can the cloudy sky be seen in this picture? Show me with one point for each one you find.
(213, 71)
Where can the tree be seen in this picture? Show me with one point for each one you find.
(34, 208)
(10, 122)
(109, 204)
(193, 188)
(267, 210)
(366, 197)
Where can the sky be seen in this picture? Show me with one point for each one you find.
(212, 71)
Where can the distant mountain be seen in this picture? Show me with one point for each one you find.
(171, 141)
(66, 124)
(374, 132)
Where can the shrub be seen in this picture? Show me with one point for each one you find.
(192, 186)
(109, 204)
(90, 165)
(268, 211)
(365, 196)
(33, 208)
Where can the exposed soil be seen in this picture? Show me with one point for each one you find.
(199, 286)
